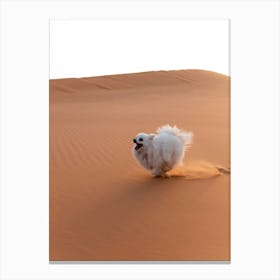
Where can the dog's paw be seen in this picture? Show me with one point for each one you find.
(159, 173)
(166, 176)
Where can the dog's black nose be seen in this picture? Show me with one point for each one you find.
(134, 141)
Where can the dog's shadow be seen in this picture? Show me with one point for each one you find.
(134, 206)
(133, 202)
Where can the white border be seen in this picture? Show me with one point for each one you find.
(255, 137)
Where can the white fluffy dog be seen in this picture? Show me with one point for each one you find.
(160, 152)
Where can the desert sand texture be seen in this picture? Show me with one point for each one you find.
(103, 205)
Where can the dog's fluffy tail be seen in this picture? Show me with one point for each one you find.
(185, 136)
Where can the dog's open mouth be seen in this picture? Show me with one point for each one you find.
(138, 146)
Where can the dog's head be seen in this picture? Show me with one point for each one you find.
(142, 140)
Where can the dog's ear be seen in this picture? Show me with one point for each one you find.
(151, 136)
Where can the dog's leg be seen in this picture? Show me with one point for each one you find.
(157, 172)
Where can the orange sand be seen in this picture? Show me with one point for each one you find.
(103, 206)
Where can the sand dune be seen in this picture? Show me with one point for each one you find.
(103, 206)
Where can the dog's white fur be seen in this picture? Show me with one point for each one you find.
(160, 152)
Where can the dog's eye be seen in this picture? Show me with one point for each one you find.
(140, 139)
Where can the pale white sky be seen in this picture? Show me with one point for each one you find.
(84, 48)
